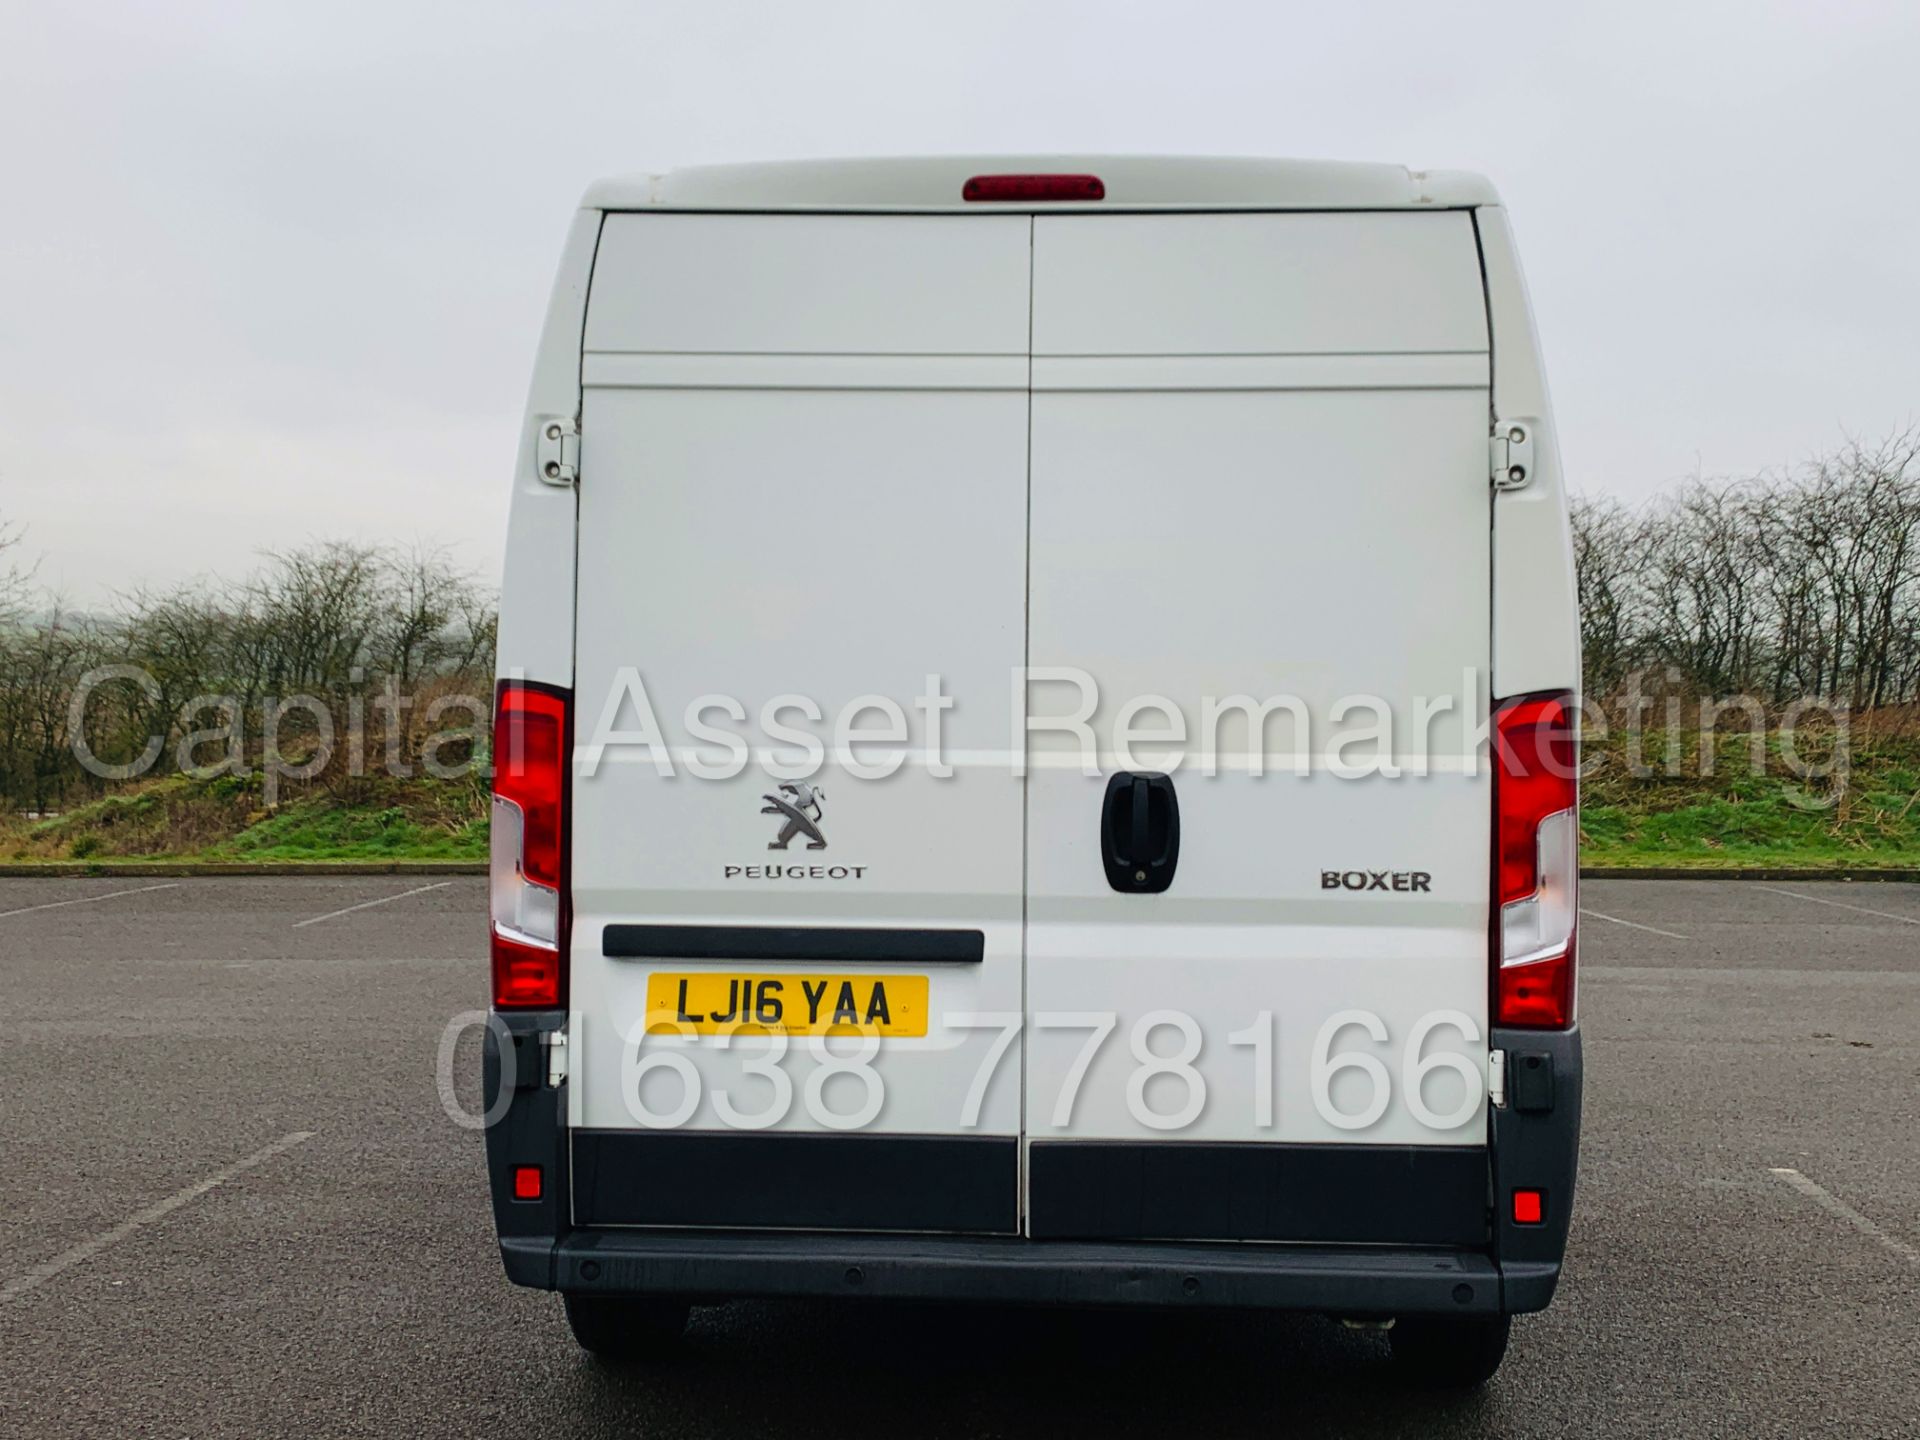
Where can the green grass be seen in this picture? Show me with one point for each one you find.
(1740, 817)
(317, 832)
(226, 820)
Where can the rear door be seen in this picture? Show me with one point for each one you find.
(803, 460)
(1259, 474)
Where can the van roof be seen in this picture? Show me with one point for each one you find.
(1132, 182)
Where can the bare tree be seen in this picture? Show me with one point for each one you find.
(1609, 560)
(428, 603)
(1785, 586)
(15, 583)
(335, 622)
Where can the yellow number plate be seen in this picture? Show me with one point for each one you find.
(713, 1004)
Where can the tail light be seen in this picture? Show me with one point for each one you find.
(1536, 861)
(531, 738)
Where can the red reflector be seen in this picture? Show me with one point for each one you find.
(524, 976)
(526, 1182)
(1539, 995)
(1034, 187)
(1529, 1207)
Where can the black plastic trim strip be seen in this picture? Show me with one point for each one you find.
(810, 943)
(1311, 1194)
(956, 1183)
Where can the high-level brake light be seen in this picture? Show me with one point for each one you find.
(530, 739)
(1536, 859)
(1015, 188)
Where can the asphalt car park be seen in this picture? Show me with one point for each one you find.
(235, 1203)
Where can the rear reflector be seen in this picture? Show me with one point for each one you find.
(1034, 187)
(1537, 995)
(527, 851)
(526, 1182)
(1536, 861)
(525, 977)
(1529, 1207)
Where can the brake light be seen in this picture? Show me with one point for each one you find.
(1536, 861)
(1034, 187)
(527, 853)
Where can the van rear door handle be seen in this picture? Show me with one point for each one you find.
(1140, 833)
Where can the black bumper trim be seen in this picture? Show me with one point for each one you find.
(711, 1266)
(1410, 1195)
(733, 1180)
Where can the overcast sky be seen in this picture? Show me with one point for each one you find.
(272, 272)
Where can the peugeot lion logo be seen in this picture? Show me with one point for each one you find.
(792, 801)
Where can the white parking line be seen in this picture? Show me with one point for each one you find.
(1834, 1205)
(1630, 924)
(87, 1249)
(1839, 904)
(89, 899)
(369, 904)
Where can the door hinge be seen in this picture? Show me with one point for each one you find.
(557, 452)
(1497, 1079)
(556, 1058)
(1510, 453)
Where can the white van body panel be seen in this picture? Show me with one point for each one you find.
(536, 587)
(818, 285)
(765, 521)
(1218, 285)
(1199, 513)
(1536, 612)
(892, 183)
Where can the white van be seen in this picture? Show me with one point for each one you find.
(1034, 751)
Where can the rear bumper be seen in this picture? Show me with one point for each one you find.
(1303, 1260)
(709, 1267)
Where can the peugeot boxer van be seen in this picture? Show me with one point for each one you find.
(1035, 752)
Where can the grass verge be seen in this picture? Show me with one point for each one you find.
(225, 820)
(1680, 800)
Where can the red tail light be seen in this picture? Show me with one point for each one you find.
(1536, 859)
(531, 737)
(1034, 187)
